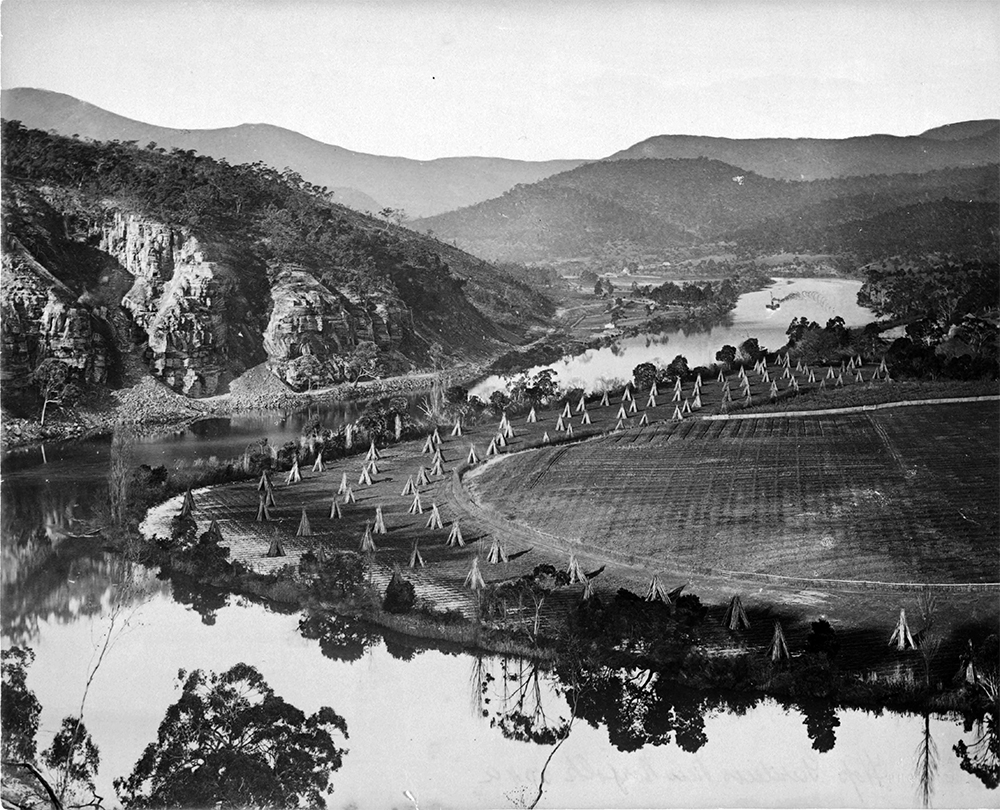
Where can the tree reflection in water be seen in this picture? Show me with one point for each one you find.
(399, 648)
(230, 742)
(206, 602)
(512, 690)
(340, 638)
(981, 755)
(821, 723)
(644, 707)
(926, 764)
(78, 580)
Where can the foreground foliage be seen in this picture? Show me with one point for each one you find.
(230, 741)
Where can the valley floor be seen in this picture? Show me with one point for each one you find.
(751, 513)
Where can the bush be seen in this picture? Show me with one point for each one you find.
(823, 639)
(183, 529)
(341, 574)
(400, 595)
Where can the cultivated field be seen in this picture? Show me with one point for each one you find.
(907, 495)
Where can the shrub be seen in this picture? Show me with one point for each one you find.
(400, 595)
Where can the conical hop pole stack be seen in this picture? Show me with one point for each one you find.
(416, 558)
(379, 527)
(367, 541)
(497, 552)
(434, 521)
(736, 616)
(304, 529)
(455, 536)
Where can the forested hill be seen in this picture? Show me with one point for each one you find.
(646, 206)
(215, 268)
(973, 143)
(363, 181)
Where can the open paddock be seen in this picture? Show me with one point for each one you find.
(895, 496)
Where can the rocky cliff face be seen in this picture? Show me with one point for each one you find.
(181, 300)
(313, 331)
(198, 315)
(41, 317)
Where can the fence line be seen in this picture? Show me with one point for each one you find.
(722, 417)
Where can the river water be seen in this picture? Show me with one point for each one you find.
(418, 718)
(817, 299)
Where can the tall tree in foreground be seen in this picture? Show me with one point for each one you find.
(229, 741)
(19, 708)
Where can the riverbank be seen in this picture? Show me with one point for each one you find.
(151, 407)
(686, 641)
(860, 616)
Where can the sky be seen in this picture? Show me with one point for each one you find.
(536, 80)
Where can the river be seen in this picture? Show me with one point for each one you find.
(817, 299)
(418, 718)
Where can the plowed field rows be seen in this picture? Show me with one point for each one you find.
(897, 496)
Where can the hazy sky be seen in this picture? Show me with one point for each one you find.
(531, 80)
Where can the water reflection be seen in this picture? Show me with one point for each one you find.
(340, 638)
(927, 763)
(980, 756)
(206, 602)
(37, 515)
(817, 299)
(641, 707)
(76, 580)
(510, 691)
(821, 722)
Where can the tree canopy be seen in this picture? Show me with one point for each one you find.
(19, 708)
(230, 741)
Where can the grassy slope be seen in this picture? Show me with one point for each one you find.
(906, 495)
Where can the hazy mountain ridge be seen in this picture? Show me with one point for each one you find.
(815, 158)
(647, 205)
(962, 130)
(420, 188)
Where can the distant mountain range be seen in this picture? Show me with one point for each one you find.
(636, 208)
(970, 143)
(362, 181)
(669, 190)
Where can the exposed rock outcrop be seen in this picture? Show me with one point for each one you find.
(313, 330)
(185, 302)
(135, 263)
(41, 317)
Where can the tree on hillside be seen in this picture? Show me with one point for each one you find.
(456, 395)
(678, 368)
(726, 355)
(395, 215)
(543, 386)
(363, 361)
(55, 383)
(750, 350)
(230, 741)
(798, 328)
(499, 401)
(644, 375)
